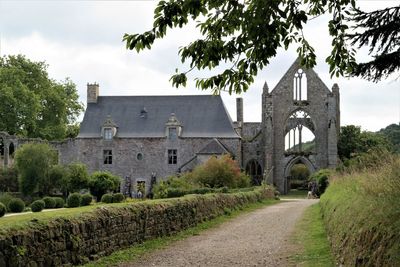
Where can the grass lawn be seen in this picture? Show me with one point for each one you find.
(311, 238)
(136, 251)
(22, 220)
(294, 193)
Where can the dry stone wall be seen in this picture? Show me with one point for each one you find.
(72, 241)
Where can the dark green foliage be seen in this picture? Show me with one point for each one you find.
(118, 197)
(74, 200)
(8, 180)
(77, 177)
(3, 209)
(59, 202)
(33, 162)
(102, 182)
(49, 202)
(34, 105)
(392, 133)
(86, 199)
(107, 198)
(322, 179)
(38, 205)
(56, 177)
(5, 198)
(352, 141)
(16, 205)
(380, 31)
(248, 34)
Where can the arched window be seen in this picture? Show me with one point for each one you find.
(300, 86)
(11, 149)
(254, 170)
(1, 146)
(299, 132)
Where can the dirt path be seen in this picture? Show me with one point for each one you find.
(259, 238)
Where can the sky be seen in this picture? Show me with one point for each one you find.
(82, 40)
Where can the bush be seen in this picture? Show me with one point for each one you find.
(49, 202)
(101, 182)
(5, 198)
(74, 200)
(219, 172)
(8, 180)
(86, 199)
(322, 179)
(37, 205)
(16, 205)
(118, 197)
(2, 209)
(59, 202)
(107, 198)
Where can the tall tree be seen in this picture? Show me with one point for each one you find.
(248, 33)
(33, 105)
(33, 162)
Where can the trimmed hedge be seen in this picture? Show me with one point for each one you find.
(107, 198)
(86, 199)
(118, 197)
(76, 240)
(3, 209)
(74, 200)
(38, 205)
(49, 202)
(16, 205)
(59, 202)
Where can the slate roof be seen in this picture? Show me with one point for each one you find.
(215, 147)
(200, 116)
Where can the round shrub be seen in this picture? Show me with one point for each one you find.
(59, 202)
(107, 198)
(49, 202)
(2, 209)
(118, 197)
(37, 205)
(16, 205)
(74, 200)
(86, 199)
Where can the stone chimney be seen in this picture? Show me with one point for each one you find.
(239, 111)
(92, 92)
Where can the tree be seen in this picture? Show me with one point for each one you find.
(33, 105)
(352, 141)
(77, 177)
(33, 162)
(248, 34)
(380, 31)
(392, 133)
(102, 182)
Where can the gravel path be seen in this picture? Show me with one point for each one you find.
(259, 238)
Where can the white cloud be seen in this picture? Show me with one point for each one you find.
(82, 40)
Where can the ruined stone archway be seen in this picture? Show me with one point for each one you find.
(299, 102)
(254, 170)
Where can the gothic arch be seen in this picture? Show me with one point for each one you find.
(254, 170)
(299, 159)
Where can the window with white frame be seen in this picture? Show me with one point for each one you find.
(108, 133)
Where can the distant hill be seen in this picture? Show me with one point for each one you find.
(392, 133)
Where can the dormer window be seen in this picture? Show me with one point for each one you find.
(108, 134)
(172, 134)
(109, 129)
(173, 127)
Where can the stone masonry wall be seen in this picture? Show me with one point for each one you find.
(66, 241)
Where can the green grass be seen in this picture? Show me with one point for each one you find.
(22, 220)
(294, 193)
(311, 238)
(137, 251)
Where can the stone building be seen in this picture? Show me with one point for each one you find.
(145, 138)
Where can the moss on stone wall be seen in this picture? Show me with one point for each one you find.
(65, 241)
